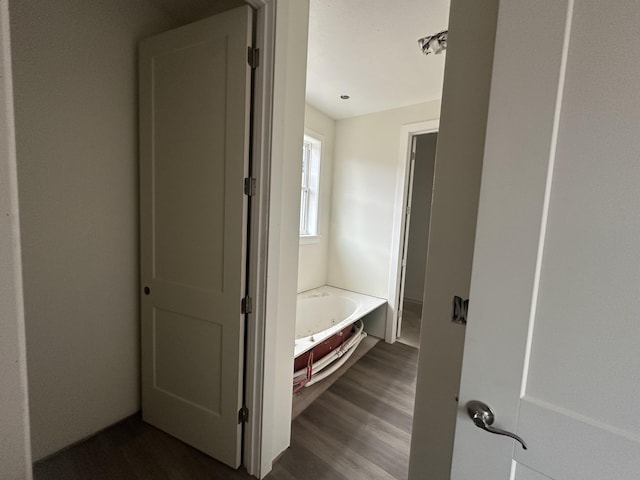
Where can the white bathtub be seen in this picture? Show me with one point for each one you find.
(323, 312)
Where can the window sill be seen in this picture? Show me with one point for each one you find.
(309, 239)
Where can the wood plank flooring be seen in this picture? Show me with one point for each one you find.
(133, 450)
(360, 428)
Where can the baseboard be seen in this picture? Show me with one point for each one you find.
(412, 305)
(412, 301)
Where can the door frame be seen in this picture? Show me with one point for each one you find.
(407, 132)
(404, 238)
(281, 36)
(264, 40)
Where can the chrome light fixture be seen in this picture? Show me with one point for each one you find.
(434, 43)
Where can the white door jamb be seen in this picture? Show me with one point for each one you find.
(407, 132)
(254, 449)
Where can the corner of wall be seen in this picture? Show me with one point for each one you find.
(288, 119)
(15, 444)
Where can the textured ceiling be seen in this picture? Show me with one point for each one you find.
(368, 49)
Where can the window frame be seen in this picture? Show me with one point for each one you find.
(310, 188)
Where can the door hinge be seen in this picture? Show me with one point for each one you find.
(253, 57)
(243, 415)
(249, 186)
(246, 306)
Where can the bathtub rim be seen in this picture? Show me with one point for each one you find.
(365, 305)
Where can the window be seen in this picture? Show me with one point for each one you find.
(309, 193)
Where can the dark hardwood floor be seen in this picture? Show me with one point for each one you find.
(133, 450)
(360, 428)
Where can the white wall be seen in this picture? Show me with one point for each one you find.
(75, 64)
(292, 22)
(15, 450)
(420, 216)
(76, 130)
(363, 198)
(465, 103)
(313, 258)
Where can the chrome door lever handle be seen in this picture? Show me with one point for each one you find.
(483, 417)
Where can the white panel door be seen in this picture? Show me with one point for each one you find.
(194, 119)
(553, 339)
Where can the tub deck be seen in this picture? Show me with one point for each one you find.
(364, 304)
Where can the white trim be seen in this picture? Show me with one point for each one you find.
(407, 132)
(316, 238)
(314, 174)
(255, 449)
(287, 131)
(279, 118)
